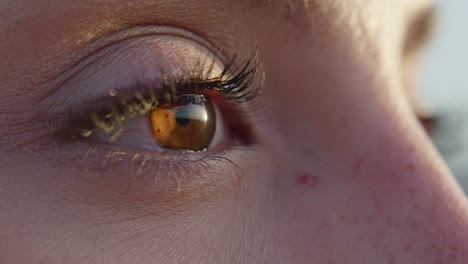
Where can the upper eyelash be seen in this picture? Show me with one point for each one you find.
(234, 83)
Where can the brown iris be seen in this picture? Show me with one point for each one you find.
(188, 123)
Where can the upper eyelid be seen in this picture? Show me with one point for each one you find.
(92, 77)
(99, 47)
(77, 99)
(238, 87)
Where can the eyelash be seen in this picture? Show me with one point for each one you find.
(235, 85)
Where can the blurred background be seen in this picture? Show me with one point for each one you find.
(445, 85)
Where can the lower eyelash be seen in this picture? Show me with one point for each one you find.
(167, 169)
(133, 183)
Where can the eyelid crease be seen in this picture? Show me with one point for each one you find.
(98, 47)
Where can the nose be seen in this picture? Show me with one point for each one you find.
(381, 190)
(408, 192)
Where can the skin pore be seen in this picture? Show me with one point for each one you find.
(340, 170)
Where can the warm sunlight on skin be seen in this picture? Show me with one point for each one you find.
(315, 153)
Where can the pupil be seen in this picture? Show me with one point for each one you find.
(182, 117)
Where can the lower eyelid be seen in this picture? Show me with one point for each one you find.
(137, 180)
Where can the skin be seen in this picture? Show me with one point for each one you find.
(341, 170)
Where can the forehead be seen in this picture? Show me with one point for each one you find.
(93, 16)
(279, 6)
(42, 39)
(70, 22)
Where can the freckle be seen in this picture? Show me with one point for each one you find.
(308, 180)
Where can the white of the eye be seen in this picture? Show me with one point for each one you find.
(134, 133)
(220, 133)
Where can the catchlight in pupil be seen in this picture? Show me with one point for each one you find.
(186, 124)
(183, 117)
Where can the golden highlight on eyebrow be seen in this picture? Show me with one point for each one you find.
(285, 7)
(420, 28)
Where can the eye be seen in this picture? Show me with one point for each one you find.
(155, 123)
(188, 123)
(196, 113)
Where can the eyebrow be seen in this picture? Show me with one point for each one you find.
(421, 28)
(273, 2)
(287, 8)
